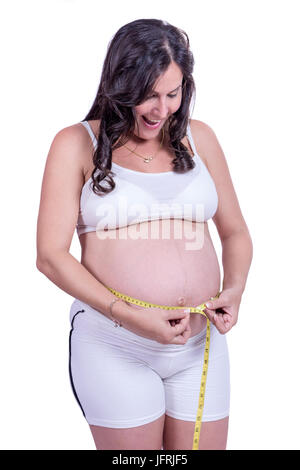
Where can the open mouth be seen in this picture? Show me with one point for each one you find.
(153, 124)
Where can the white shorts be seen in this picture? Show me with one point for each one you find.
(123, 380)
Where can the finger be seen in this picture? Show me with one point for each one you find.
(228, 321)
(176, 314)
(187, 333)
(178, 340)
(179, 328)
(182, 338)
(220, 325)
(227, 318)
(182, 321)
(210, 315)
(221, 318)
(176, 321)
(217, 319)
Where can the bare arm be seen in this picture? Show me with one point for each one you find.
(237, 252)
(233, 231)
(71, 276)
(237, 248)
(59, 204)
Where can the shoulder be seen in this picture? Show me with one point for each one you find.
(228, 217)
(206, 141)
(199, 127)
(202, 133)
(71, 138)
(74, 143)
(73, 135)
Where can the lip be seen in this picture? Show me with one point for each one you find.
(148, 126)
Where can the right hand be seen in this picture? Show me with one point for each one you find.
(164, 326)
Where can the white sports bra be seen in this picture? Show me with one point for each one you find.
(140, 196)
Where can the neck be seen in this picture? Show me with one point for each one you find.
(140, 141)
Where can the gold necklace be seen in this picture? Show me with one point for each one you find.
(148, 159)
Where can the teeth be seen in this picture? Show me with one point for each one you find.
(154, 122)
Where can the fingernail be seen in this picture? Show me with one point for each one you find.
(208, 305)
(187, 310)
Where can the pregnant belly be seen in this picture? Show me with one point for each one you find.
(175, 264)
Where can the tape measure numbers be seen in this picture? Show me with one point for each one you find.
(199, 309)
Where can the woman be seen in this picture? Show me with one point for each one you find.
(140, 199)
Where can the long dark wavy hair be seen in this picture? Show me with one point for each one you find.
(137, 55)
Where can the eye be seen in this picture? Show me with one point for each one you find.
(153, 96)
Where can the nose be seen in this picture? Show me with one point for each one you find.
(161, 109)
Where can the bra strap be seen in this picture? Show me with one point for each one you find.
(191, 140)
(89, 129)
(94, 140)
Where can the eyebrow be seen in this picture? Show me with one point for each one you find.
(169, 91)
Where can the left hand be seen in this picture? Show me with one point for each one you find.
(229, 301)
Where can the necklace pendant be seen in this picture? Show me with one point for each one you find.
(147, 160)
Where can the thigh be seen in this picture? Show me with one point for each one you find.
(178, 434)
(146, 437)
(182, 388)
(113, 387)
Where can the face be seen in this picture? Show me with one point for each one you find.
(159, 105)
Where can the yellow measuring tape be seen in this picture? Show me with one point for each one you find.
(199, 309)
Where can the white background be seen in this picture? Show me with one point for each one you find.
(247, 78)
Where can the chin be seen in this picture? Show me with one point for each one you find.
(146, 133)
